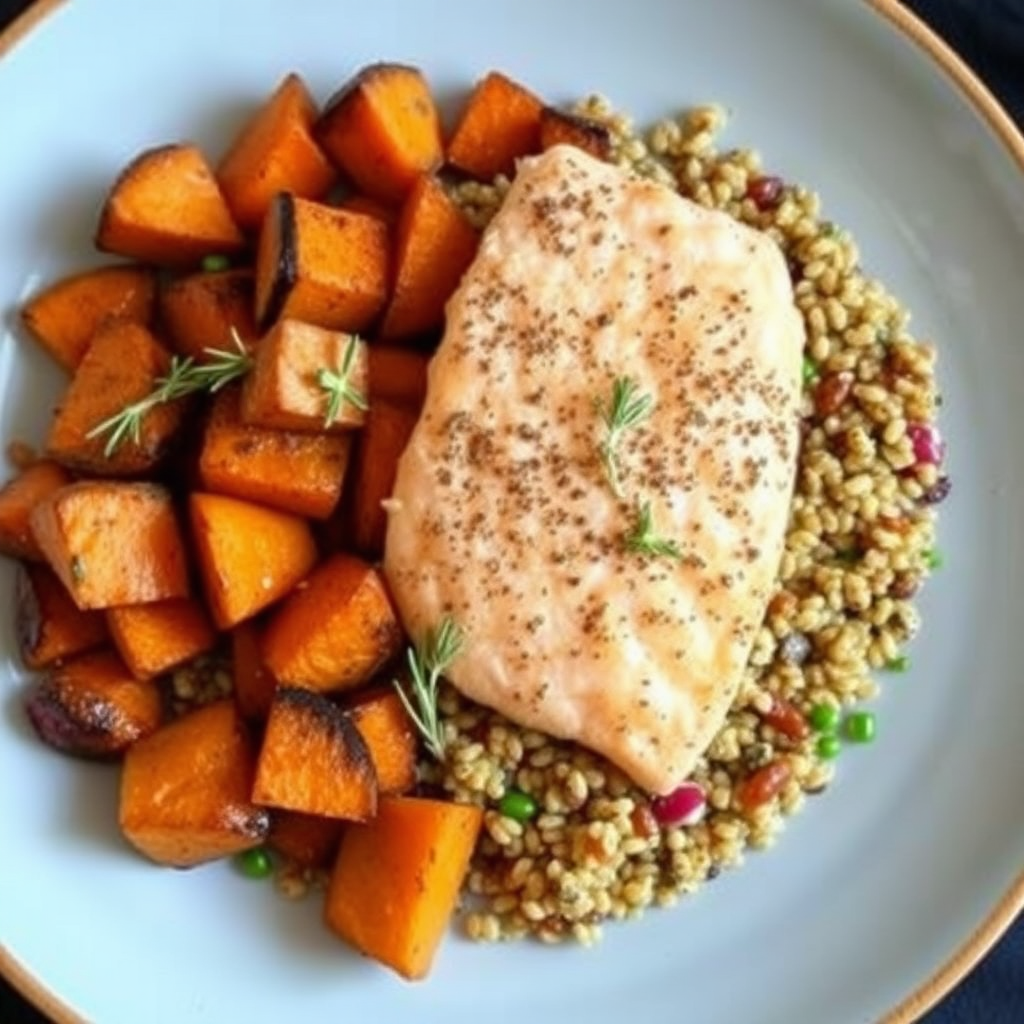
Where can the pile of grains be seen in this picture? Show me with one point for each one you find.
(578, 843)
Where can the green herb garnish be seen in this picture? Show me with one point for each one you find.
(338, 387)
(626, 409)
(644, 540)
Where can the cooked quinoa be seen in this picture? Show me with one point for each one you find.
(859, 545)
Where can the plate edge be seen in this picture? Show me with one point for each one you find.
(999, 919)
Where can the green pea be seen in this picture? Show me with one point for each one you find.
(933, 558)
(860, 727)
(810, 370)
(255, 863)
(901, 663)
(211, 264)
(518, 806)
(824, 718)
(828, 746)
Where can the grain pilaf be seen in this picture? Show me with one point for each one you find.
(860, 543)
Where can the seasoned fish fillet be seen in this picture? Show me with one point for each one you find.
(503, 514)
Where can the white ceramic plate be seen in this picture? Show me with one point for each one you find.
(878, 882)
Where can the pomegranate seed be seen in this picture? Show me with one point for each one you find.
(787, 719)
(763, 785)
(683, 806)
(766, 191)
(927, 443)
(939, 491)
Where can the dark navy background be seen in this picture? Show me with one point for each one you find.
(989, 34)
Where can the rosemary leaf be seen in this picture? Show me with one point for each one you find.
(337, 385)
(626, 408)
(644, 540)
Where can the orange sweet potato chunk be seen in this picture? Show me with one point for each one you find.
(291, 471)
(306, 840)
(254, 683)
(207, 310)
(397, 375)
(120, 366)
(64, 316)
(382, 129)
(153, 638)
(371, 207)
(186, 790)
(560, 128)
(249, 556)
(313, 760)
(166, 208)
(48, 624)
(434, 244)
(275, 152)
(397, 878)
(112, 543)
(92, 706)
(283, 391)
(388, 731)
(320, 264)
(335, 630)
(501, 122)
(18, 497)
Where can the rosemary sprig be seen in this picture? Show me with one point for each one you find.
(643, 540)
(427, 661)
(626, 409)
(184, 377)
(337, 386)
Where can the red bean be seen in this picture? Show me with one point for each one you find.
(763, 785)
(831, 392)
(766, 191)
(787, 719)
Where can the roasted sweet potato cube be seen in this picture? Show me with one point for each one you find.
(112, 543)
(313, 760)
(396, 375)
(49, 625)
(382, 129)
(371, 207)
(291, 471)
(254, 683)
(334, 631)
(501, 122)
(305, 840)
(417, 851)
(209, 310)
(286, 388)
(93, 706)
(64, 317)
(186, 790)
(153, 638)
(18, 497)
(388, 731)
(249, 556)
(120, 366)
(434, 244)
(557, 127)
(378, 448)
(320, 264)
(166, 208)
(275, 152)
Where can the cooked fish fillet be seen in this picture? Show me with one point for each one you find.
(503, 513)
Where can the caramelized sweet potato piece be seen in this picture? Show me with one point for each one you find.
(397, 375)
(560, 128)
(371, 208)
(334, 631)
(299, 473)
(378, 448)
(185, 790)
(93, 706)
(417, 851)
(313, 760)
(275, 152)
(49, 625)
(120, 366)
(254, 683)
(64, 317)
(112, 543)
(206, 310)
(386, 728)
(249, 556)
(155, 637)
(320, 264)
(434, 244)
(283, 389)
(306, 840)
(18, 497)
(500, 123)
(382, 129)
(166, 208)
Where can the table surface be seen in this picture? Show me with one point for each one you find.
(989, 35)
